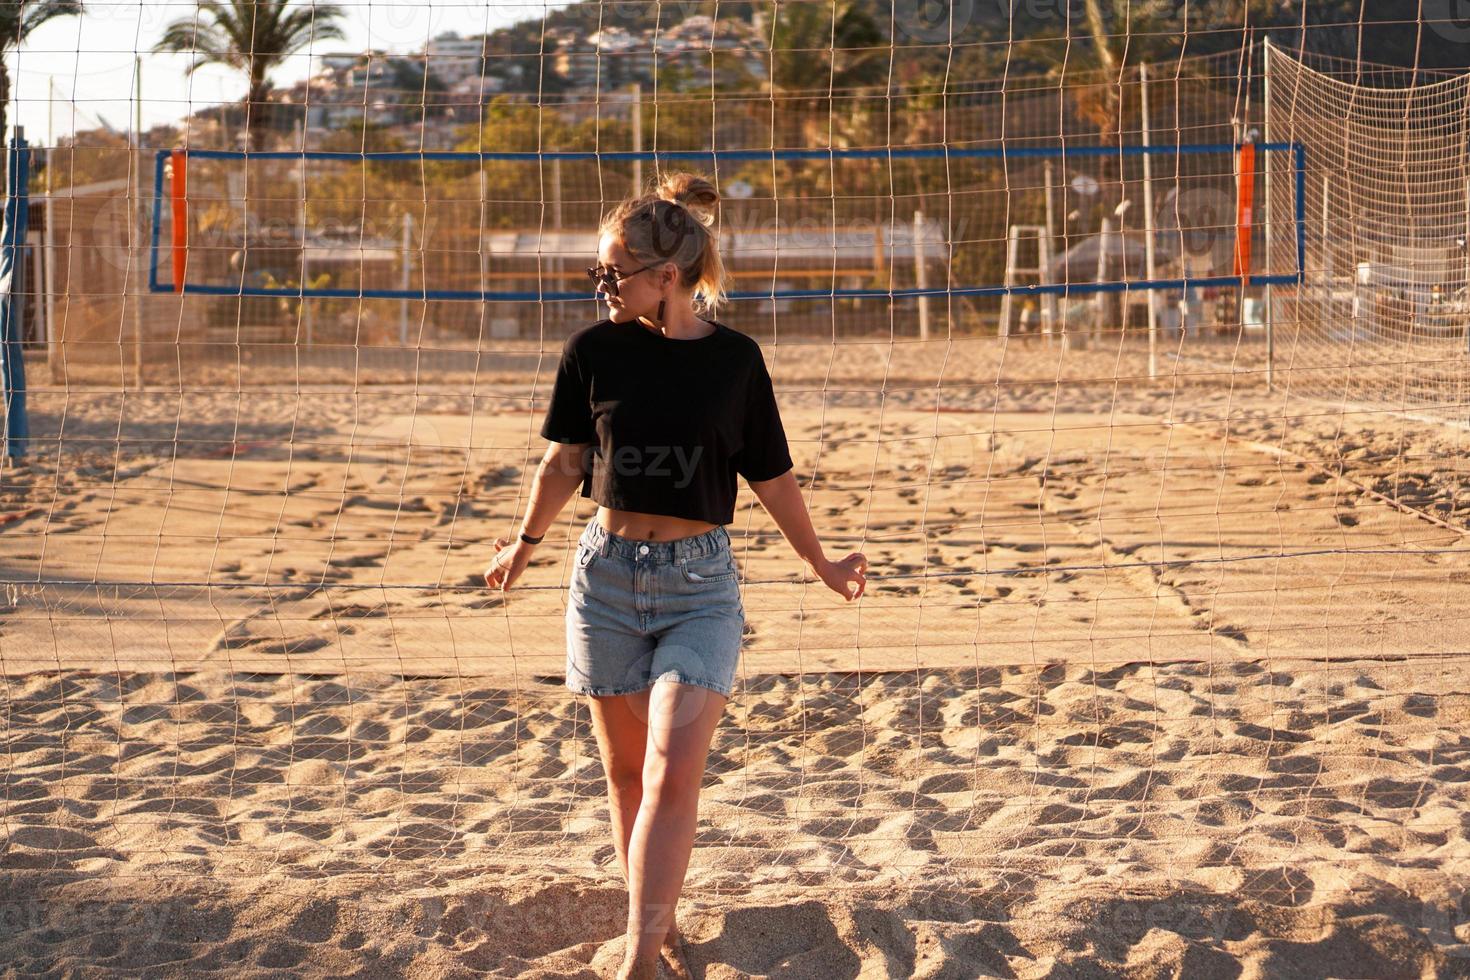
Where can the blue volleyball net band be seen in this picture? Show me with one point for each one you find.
(391, 225)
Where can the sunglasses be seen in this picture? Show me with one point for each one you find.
(610, 277)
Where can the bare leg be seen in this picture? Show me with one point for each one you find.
(621, 725)
(628, 803)
(682, 721)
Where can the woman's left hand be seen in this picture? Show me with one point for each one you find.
(841, 575)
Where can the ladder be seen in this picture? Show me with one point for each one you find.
(1014, 271)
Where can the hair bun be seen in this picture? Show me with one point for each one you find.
(691, 190)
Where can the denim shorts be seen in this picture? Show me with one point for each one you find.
(645, 611)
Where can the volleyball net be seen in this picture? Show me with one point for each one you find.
(1126, 379)
(351, 242)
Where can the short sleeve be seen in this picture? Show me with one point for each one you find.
(764, 454)
(569, 417)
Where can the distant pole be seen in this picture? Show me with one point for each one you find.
(921, 274)
(303, 315)
(1148, 229)
(17, 432)
(556, 254)
(1266, 219)
(480, 243)
(179, 217)
(637, 137)
(135, 250)
(1327, 263)
(1102, 306)
(224, 121)
(53, 346)
(1237, 126)
(1048, 300)
(306, 317)
(407, 281)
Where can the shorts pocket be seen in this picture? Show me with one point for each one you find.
(581, 579)
(719, 567)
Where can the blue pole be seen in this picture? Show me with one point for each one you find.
(12, 242)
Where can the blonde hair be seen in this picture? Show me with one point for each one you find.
(672, 223)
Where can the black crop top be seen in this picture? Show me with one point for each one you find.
(671, 422)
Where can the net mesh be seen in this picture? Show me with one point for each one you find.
(1380, 318)
(1164, 620)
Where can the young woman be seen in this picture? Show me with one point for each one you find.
(654, 411)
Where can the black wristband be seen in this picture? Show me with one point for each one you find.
(530, 540)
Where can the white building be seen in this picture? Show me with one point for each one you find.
(473, 86)
(452, 58)
(340, 60)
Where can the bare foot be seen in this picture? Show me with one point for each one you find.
(675, 955)
(638, 970)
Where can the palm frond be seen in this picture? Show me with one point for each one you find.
(36, 14)
(225, 21)
(205, 42)
(302, 26)
(253, 37)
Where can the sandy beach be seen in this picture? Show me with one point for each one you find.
(1152, 678)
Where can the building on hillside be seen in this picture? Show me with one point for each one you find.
(452, 59)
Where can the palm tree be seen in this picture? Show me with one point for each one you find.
(1118, 30)
(815, 51)
(1124, 33)
(17, 21)
(254, 37)
(817, 55)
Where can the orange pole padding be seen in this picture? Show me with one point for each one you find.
(1245, 194)
(180, 189)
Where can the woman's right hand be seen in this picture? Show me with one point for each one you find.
(511, 558)
(841, 576)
